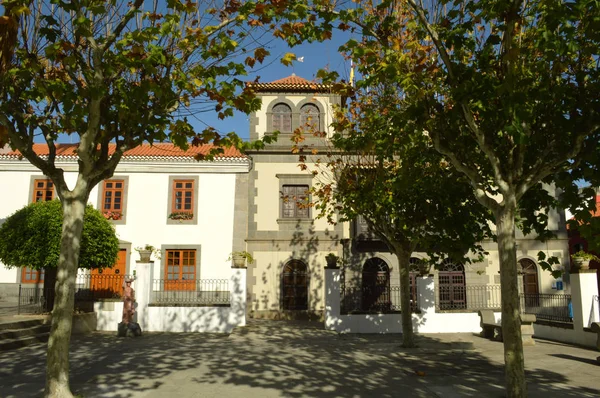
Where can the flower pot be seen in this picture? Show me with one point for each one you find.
(580, 263)
(239, 261)
(424, 269)
(331, 262)
(145, 255)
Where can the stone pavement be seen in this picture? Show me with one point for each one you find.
(299, 359)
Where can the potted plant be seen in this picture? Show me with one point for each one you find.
(112, 215)
(424, 267)
(181, 215)
(146, 252)
(240, 258)
(581, 260)
(331, 260)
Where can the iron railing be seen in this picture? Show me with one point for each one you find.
(548, 307)
(374, 299)
(468, 298)
(88, 288)
(190, 292)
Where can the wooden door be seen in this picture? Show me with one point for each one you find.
(295, 286)
(108, 282)
(180, 270)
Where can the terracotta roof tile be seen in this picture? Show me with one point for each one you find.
(157, 150)
(291, 83)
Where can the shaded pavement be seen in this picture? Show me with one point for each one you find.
(299, 359)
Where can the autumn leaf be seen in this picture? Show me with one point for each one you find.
(260, 54)
(288, 59)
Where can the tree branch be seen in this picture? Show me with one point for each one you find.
(467, 114)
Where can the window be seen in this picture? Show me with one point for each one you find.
(183, 196)
(180, 270)
(309, 118)
(30, 275)
(452, 288)
(43, 190)
(282, 118)
(295, 201)
(112, 199)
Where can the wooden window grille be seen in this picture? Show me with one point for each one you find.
(295, 201)
(309, 117)
(30, 275)
(282, 118)
(183, 196)
(113, 198)
(180, 270)
(43, 190)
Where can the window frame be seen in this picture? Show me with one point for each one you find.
(305, 117)
(280, 118)
(165, 249)
(39, 279)
(298, 180)
(124, 197)
(34, 189)
(171, 200)
(296, 208)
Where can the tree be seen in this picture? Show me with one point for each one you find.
(383, 168)
(508, 92)
(31, 237)
(116, 74)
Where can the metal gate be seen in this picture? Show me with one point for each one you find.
(376, 286)
(451, 287)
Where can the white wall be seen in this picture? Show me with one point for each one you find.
(428, 321)
(152, 318)
(146, 209)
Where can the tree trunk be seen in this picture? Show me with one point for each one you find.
(511, 322)
(403, 254)
(49, 288)
(57, 366)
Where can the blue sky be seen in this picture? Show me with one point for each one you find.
(316, 56)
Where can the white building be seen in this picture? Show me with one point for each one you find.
(160, 196)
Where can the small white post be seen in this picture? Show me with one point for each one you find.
(143, 290)
(237, 296)
(584, 286)
(426, 294)
(332, 297)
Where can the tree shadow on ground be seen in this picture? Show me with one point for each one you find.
(283, 358)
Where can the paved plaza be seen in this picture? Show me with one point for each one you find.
(298, 359)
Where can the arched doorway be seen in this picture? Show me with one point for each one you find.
(452, 286)
(531, 298)
(530, 276)
(294, 282)
(376, 286)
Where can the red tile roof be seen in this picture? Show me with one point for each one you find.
(157, 150)
(291, 83)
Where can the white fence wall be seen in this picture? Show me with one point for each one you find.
(428, 321)
(584, 287)
(206, 319)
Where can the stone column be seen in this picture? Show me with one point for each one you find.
(237, 296)
(584, 286)
(143, 291)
